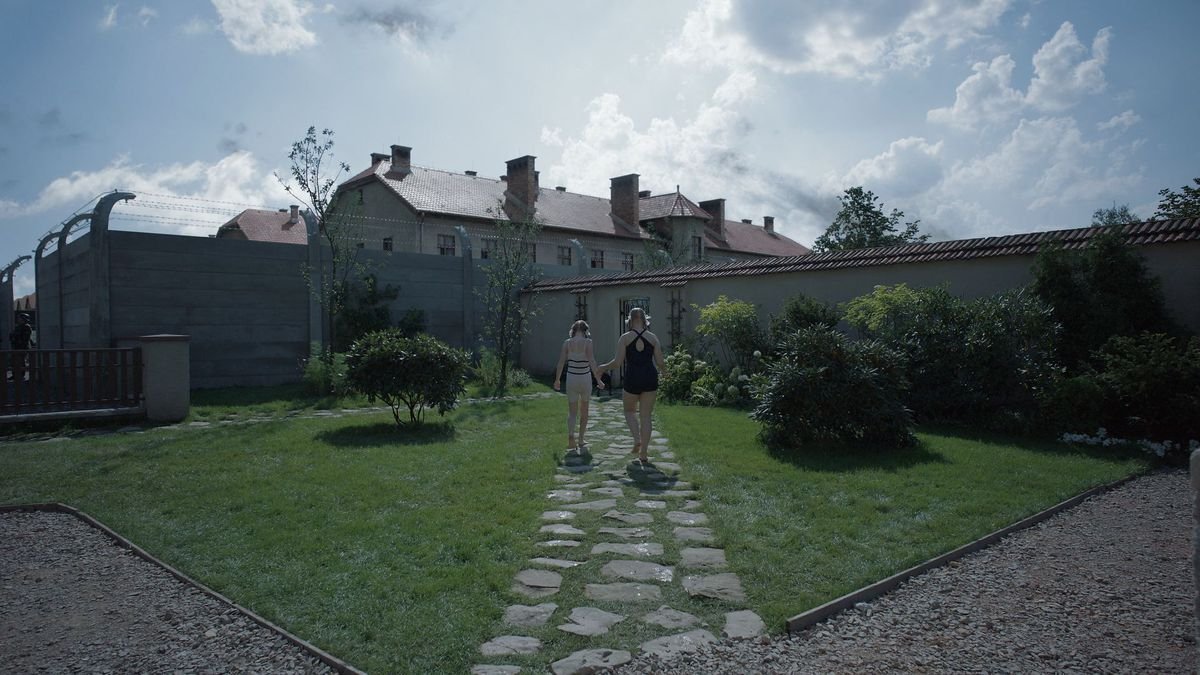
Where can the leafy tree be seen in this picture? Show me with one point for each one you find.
(733, 325)
(862, 223)
(365, 310)
(1182, 204)
(411, 372)
(508, 270)
(314, 180)
(1117, 215)
(801, 311)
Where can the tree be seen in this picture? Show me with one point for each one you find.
(337, 218)
(862, 223)
(1182, 204)
(1117, 215)
(509, 269)
(416, 372)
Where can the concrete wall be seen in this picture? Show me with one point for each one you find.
(74, 296)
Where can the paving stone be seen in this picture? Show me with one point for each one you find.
(564, 495)
(637, 570)
(704, 558)
(627, 532)
(645, 549)
(666, 454)
(670, 618)
(724, 586)
(667, 466)
(686, 518)
(691, 504)
(588, 661)
(650, 504)
(598, 505)
(589, 621)
(623, 592)
(668, 493)
(558, 515)
(583, 468)
(495, 670)
(561, 478)
(671, 646)
(509, 645)
(630, 518)
(556, 562)
(557, 543)
(529, 615)
(562, 529)
(703, 535)
(536, 583)
(608, 491)
(572, 459)
(743, 624)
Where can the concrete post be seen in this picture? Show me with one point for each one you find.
(582, 264)
(166, 376)
(468, 291)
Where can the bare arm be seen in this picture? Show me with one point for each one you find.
(562, 361)
(619, 359)
(596, 371)
(658, 355)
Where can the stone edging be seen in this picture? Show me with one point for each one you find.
(318, 653)
(818, 614)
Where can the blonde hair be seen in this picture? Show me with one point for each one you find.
(578, 327)
(639, 313)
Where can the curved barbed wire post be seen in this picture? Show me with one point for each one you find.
(60, 241)
(7, 314)
(99, 291)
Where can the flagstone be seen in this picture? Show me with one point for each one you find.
(563, 479)
(598, 505)
(627, 532)
(637, 570)
(558, 515)
(670, 618)
(564, 495)
(703, 535)
(508, 645)
(529, 615)
(556, 562)
(671, 646)
(666, 454)
(691, 504)
(582, 468)
(743, 624)
(608, 491)
(589, 621)
(650, 492)
(623, 592)
(686, 518)
(588, 661)
(650, 504)
(562, 529)
(630, 518)
(724, 586)
(557, 543)
(495, 670)
(537, 583)
(702, 557)
(668, 466)
(645, 549)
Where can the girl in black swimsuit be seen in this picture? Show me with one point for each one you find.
(639, 352)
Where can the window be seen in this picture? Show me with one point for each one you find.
(445, 244)
(486, 246)
(387, 243)
(564, 256)
(597, 259)
(697, 248)
(531, 252)
(627, 262)
(360, 245)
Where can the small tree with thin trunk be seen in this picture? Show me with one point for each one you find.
(862, 223)
(509, 269)
(1117, 215)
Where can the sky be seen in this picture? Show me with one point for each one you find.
(980, 118)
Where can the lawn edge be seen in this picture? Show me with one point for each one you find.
(58, 507)
(809, 618)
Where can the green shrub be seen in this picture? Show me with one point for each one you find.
(733, 326)
(487, 372)
(801, 311)
(325, 372)
(675, 382)
(365, 309)
(714, 388)
(1072, 404)
(412, 323)
(1151, 386)
(826, 387)
(415, 372)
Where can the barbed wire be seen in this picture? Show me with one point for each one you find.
(140, 193)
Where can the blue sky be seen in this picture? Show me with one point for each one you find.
(980, 118)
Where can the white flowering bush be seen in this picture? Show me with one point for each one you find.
(1160, 449)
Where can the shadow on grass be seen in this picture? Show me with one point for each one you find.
(649, 477)
(838, 458)
(387, 433)
(1043, 444)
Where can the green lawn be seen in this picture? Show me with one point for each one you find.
(395, 551)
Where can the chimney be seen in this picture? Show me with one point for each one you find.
(623, 196)
(643, 193)
(520, 199)
(560, 188)
(401, 161)
(377, 157)
(294, 217)
(716, 208)
(471, 173)
(769, 224)
(747, 221)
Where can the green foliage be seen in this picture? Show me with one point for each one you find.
(825, 387)
(1151, 385)
(1072, 404)
(365, 309)
(714, 388)
(733, 326)
(325, 372)
(412, 323)
(1182, 204)
(415, 372)
(802, 311)
(862, 223)
(487, 372)
(506, 273)
(1095, 294)
(675, 382)
(1117, 215)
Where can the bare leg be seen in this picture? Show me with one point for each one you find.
(572, 411)
(647, 409)
(583, 419)
(630, 402)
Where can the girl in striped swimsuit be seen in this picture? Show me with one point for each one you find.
(580, 363)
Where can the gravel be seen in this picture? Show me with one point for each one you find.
(1105, 587)
(71, 600)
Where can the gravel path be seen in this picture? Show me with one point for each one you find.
(1105, 587)
(73, 601)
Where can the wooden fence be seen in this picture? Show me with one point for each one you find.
(57, 380)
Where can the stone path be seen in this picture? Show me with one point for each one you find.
(626, 566)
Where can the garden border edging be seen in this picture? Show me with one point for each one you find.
(318, 653)
(818, 614)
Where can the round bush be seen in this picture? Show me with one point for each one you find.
(416, 372)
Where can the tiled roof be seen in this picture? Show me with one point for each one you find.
(444, 192)
(1150, 232)
(750, 238)
(263, 225)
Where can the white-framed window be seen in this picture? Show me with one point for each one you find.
(598, 258)
(564, 256)
(387, 243)
(445, 244)
(627, 262)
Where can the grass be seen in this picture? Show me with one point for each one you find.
(396, 550)
(801, 531)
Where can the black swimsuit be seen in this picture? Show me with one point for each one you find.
(640, 375)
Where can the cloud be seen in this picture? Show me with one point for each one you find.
(1120, 122)
(146, 15)
(909, 166)
(109, 20)
(410, 26)
(861, 40)
(987, 97)
(265, 26)
(196, 26)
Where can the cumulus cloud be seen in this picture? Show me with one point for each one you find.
(859, 40)
(196, 26)
(408, 25)
(1120, 122)
(265, 26)
(909, 166)
(987, 97)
